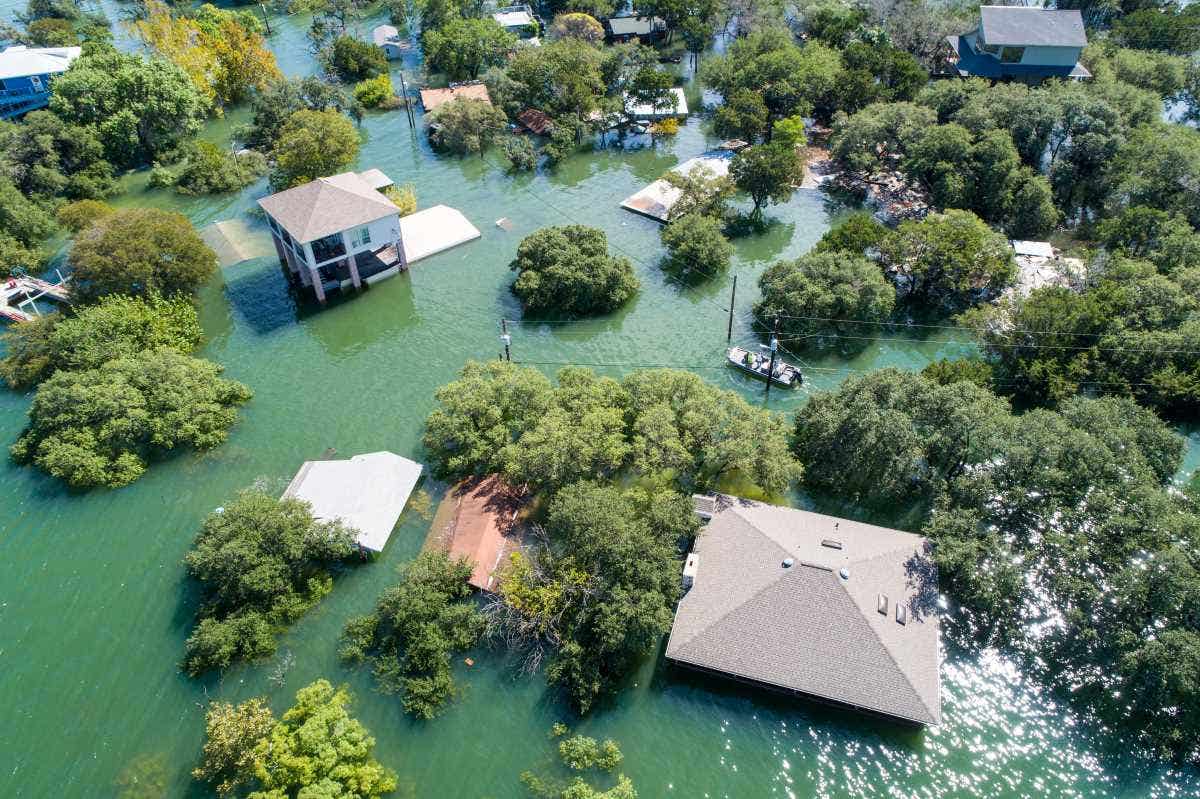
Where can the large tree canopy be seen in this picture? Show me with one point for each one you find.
(100, 427)
(139, 252)
(311, 145)
(462, 48)
(568, 271)
(262, 563)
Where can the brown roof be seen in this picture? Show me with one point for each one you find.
(326, 206)
(483, 528)
(826, 623)
(536, 121)
(432, 98)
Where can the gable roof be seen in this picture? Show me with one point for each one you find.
(1032, 27)
(326, 206)
(19, 61)
(805, 628)
(385, 34)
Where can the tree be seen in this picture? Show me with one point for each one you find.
(311, 145)
(81, 214)
(580, 753)
(465, 125)
(261, 563)
(768, 173)
(116, 327)
(743, 115)
(575, 25)
(695, 241)
(416, 626)
(837, 295)
(23, 224)
(948, 260)
(560, 78)
(1169, 27)
(520, 154)
(464, 47)
(1166, 240)
(567, 270)
(100, 427)
(222, 51)
(789, 132)
(1150, 170)
(139, 252)
(231, 734)
(273, 106)
(140, 108)
(212, 170)
(353, 60)
(791, 80)
(857, 233)
(868, 139)
(47, 159)
(890, 436)
(377, 92)
(317, 749)
(403, 197)
(701, 191)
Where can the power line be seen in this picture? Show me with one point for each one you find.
(995, 344)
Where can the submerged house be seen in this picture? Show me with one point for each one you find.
(336, 232)
(624, 29)
(1021, 43)
(518, 20)
(388, 39)
(26, 74)
(813, 605)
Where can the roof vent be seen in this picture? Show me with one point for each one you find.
(787, 563)
(901, 614)
(844, 573)
(831, 543)
(881, 604)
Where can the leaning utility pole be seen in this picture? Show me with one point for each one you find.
(732, 299)
(506, 339)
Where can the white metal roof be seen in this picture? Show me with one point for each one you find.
(513, 19)
(19, 61)
(1038, 249)
(385, 34)
(367, 492)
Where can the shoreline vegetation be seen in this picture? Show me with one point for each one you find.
(1041, 470)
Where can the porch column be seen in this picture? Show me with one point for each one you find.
(316, 284)
(283, 259)
(399, 245)
(353, 263)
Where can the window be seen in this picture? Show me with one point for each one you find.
(361, 236)
(1012, 55)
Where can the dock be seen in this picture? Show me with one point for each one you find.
(367, 492)
(22, 291)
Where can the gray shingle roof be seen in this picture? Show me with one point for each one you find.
(1032, 27)
(327, 205)
(805, 628)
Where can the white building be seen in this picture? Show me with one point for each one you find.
(388, 39)
(336, 232)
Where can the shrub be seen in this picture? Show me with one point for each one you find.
(403, 197)
(82, 213)
(568, 270)
(100, 427)
(353, 60)
(695, 241)
(520, 153)
(212, 170)
(376, 92)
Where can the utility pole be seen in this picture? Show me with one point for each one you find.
(774, 349)
(266, 19)
(506, 339)
(407, 105)
(732, 300)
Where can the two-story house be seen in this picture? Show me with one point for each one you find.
(26, 74)
(1021, 43)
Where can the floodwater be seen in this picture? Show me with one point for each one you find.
(94, 607)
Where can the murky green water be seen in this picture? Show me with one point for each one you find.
(93, 611)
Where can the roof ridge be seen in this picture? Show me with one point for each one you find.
(899, 669)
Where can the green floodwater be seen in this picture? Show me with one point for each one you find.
(94, 606)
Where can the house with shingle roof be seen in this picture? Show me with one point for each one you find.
(1021, 43)
(813, 605)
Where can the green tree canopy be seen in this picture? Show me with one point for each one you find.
(272, 107)
(353, 60)
(139, 252)
(101, 426)
(140, 108)
(465, 125)
(857, 233)
(695, 241)
(769, 173)
(23, 225)
(462, 48)
(311, 145)
(117, 326)
(1152, 169)
(567, 270)
(261, 563)
(417, 624)
(821, 296)
(948, 260)
(47, 158)
(791, 80)
(212, 170)
(559, 78)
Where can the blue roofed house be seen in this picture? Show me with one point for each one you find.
(1021, 43)
(26, 74)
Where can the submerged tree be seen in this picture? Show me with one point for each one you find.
(769, 173)
(568, 270)
(415, 627)
(311, 145)
(262, 563)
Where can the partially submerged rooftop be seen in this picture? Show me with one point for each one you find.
(329, 205)
(434, 230)
(367, 492)
(1030, 26)
(816, 605)
(674, 106)
(19, 61)
(655, 200)
(432, 98)
(479, 521)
